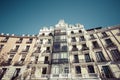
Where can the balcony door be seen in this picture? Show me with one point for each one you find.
(107, 72)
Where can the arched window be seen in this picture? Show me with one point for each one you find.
(50, 34)
(80, 31)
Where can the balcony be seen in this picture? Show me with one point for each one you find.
(76, 34)
(89, 60)
(37, 51)
(60, 40)
(25, 50)
(101, 60)
(29, 42)
(19, 63)
(19, 41)
(45, 76)
(97, 48)
(46, 53)
(85, 49)
(13, 50)
(5, 63)
(74, 49)
(46, 62)
(60, 33)
(111, 46)
(82, 61)
(4, 40)
(45, 36)
(105, 36)
(92, 38)
(77, 75)
(43, 63)
(93, 75)
(73, 40)
(75, 61)
(47, 44)
(59, 61)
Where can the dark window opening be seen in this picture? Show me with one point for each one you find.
(78, 69)
(115, 54)
(107, 72)
(91, 69)
(76, 59)
(80, 31)
(95, 44)
(44, 70)
(87, 58)
(72, 32)
(100, 57)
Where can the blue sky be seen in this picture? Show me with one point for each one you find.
(28, 16)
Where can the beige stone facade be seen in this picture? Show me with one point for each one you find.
(67, 52)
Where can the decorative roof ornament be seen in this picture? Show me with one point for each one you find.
(61, 24)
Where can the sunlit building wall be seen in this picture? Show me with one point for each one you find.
(63, 51)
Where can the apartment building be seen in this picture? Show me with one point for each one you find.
(64, 51)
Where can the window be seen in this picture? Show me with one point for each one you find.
(108, 42)
(115, 54)
(64, 55)
(49, 41)
(63, 38)
(57, 32)
(66, 70)
(48, 49)
(82, 38)
(26, 49)
(73, 39)
(20, 40)
(56, 56)
(87, 58)
(74, 48)
(57, 38)
(95, 44)
(2, 72)
(44, 70)
(104, 34)
(72, 32)
(84, 47)
(41, 41)
(1, 46)
(107, 72)
(76, 59)
(50, 34)
(9, 61)
(46, 60)
(80, 31)
(63, 47)
(30, 40)
(15, 49)
(5, 39)
(16, 73)
(56, 46)
(92, 36)
(100, 57)
(91, 69)
(55, 70)
(78, 69)
(60, 56)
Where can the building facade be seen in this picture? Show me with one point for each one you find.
(67, 52)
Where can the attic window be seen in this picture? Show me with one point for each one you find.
(72, 32)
